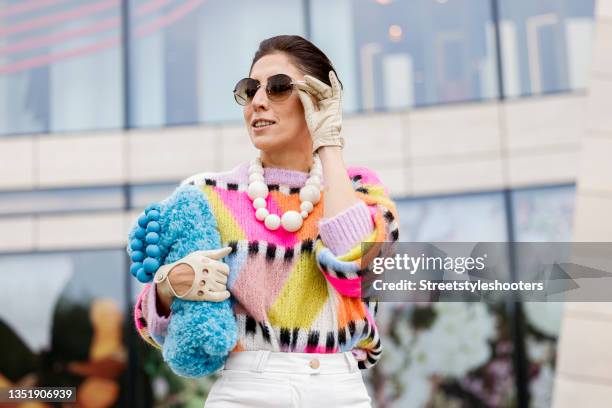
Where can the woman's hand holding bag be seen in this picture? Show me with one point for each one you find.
(200, 334)
(205, 280)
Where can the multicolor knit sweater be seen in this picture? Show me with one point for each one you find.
(294, 291)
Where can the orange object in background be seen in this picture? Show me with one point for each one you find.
(107, 357)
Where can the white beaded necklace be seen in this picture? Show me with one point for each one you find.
(291, 220)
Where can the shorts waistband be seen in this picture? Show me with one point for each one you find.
(292, 363)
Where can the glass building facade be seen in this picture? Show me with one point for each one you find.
(61, 61)
(62, 70)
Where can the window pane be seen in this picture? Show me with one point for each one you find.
(61, 321)
(545, 45)
(35, 284)
(444, 354)
(543, 214)
(396, 54)
(464, 218)
(188, 55)
(422, 341)
(44, 201)
(141, 196)
(59, 66)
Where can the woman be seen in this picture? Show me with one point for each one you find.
(294, 218)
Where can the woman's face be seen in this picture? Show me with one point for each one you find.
(289, 129)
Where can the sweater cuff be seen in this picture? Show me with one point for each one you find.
(158, 325)
(343, 231)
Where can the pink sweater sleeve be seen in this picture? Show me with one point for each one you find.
(158, 324)
(343, 231)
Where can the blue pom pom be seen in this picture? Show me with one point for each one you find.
(143, 220)
(153, 226)
(138, 256)
(135, 267)
(153, 215)
(142, 276)
(149, 207)
(136, 245)
(153, 251)
(150, 265)
(140, 233)
(152, 238)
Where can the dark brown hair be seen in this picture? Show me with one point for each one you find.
(304, 54)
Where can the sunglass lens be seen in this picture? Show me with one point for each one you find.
(244, 90)
(279, 87)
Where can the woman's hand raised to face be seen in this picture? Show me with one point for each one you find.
(325, 120)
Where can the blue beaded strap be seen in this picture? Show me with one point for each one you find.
(147, 253)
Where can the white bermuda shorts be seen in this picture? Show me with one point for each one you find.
(289, 380)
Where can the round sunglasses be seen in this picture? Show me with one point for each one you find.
(278, 88)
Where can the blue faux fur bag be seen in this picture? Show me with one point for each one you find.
(200, 333)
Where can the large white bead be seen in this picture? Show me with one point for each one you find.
(272, 221)
(314, 180)
(261, 213)
(256, 168)
(257, 189)
(256, 177)
(259, 202)
(292, 221)
(304, 214)
(310, 193)
(306, 206)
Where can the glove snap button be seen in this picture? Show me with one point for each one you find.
(200, 293)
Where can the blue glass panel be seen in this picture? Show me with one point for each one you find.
(446, 354)
(64, 200)
(188, 55)
(545, 45)
(397, 54)
(143, 195)
(62, 322)
(60, 66)
(543, 214)
(477, 217)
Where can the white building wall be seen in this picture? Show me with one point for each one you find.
(584, 371)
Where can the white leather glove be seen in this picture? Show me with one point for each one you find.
(210, 278)
(325, 123)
